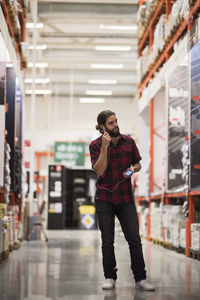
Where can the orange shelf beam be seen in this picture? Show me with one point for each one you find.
(157, 197)
(194, 193)
(175, 195)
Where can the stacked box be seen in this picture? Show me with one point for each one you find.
(144, 212)
(159, 34)
(173, 17)
(167, 221)
(182, 238)
(174, 222)
(141, 21)
(185, 9)
(178, 222)
(156, 222)
(142, 64)
(195, 236)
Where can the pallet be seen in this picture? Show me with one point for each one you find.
(16, 245)
(11, 248)
(168, 246)
(179, 249)
(157, 242)
(5, 254)
(195, 254)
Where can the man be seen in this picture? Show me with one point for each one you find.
(111, 155)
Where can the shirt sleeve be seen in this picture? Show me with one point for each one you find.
(135, 154)
(94, 153)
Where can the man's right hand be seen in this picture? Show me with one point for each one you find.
(106, 139)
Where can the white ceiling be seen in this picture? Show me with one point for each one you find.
(71, 32)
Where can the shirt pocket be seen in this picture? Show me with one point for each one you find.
(127, 155)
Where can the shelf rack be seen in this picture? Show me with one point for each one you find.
(16, 40)
(147, 39)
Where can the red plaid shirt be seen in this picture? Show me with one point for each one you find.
(111, 186)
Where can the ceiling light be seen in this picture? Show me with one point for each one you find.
(39, 92)
(106, 66)
(38, 65)
(9, 65)
(118, 27)
(102, 81)
(38, 80)
(38, 47)
(31, 25)
(92, 100)
(113, 48)
(98, 93)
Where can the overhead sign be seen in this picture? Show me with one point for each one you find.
(70, 153)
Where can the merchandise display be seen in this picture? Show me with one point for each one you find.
(12, 23)
(156, 222)
(7, 174)
(168, 56)
(71, 196)
(195, 236)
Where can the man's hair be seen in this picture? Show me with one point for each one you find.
(102, 117)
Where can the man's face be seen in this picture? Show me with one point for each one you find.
(111, 126)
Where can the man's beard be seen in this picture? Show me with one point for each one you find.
(114, 133)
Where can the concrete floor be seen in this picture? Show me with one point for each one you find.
(69, 267)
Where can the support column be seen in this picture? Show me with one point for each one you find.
(32, 117)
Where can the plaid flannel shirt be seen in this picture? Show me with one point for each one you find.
(111, 186)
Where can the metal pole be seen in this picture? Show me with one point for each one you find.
(71, 98)
(33, 99)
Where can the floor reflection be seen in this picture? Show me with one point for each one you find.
(69, 267)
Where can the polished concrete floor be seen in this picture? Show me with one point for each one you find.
(69, 267)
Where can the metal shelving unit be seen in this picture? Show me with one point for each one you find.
(147, 38)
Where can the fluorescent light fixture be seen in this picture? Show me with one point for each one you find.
(38, 65)
(31, 25)
(106, 66)
(102, 81)
(118, 27)
(39, 92)
(113, 48)
(98, 93)
(38, 80)
(92, 100)
(38, 47)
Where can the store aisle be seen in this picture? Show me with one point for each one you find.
(69, 267)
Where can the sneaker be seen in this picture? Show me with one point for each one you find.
(144, 285)
(108, 284)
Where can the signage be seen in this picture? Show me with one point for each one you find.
(70, 153)
(177, 126)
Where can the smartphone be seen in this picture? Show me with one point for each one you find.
(128, 172)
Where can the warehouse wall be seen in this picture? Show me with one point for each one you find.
(53, 119)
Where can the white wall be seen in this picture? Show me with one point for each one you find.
(52, 122)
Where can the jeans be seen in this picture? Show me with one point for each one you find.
(127, 215)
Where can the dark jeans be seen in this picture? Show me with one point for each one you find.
(127, 215)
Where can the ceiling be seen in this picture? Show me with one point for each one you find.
(71, 32)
